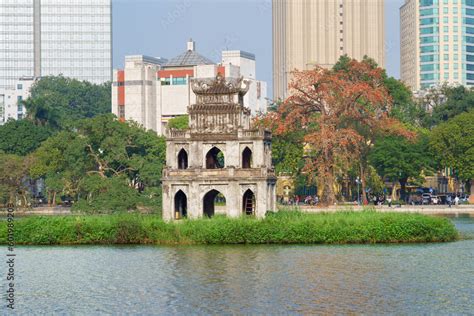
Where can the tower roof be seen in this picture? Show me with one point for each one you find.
(189, 58)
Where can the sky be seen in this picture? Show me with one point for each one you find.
(161, 28)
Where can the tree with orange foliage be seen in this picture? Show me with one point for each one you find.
(339, 110)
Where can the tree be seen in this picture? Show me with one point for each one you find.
(58, 101)
(13, 171)
(179, 122)
(99, 156)
(330, 106)
(398, 159)
(404, 108)
(447, 103)
(62, 161)
(20, 137)
(453, 144)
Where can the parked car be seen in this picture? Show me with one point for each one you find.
(435, 200)
(426, 198)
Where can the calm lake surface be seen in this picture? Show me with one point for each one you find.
(146, 280)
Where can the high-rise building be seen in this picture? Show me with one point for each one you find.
(437, 42)
(308, 33)
(52, 37)
(11, 106)
(151, 91)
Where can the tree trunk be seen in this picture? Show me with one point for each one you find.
(362, 170)
(49, 198)
(394, 191)
(471, 192)
(54, 199)
(403, 183)
(328, 196)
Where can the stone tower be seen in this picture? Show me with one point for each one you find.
(220, 157)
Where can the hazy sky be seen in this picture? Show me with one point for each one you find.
(162, 28)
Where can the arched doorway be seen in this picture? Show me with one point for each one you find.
(180, 205)
(212, 201)
(247, 158)
(182, 159)
(248, 205)
(215, 159)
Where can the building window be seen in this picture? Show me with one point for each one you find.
(215, 159)
(165, 81)
(247, 158)
(19, 86)
(179, 81)
(182, 159)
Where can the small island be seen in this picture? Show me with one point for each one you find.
(284, 227)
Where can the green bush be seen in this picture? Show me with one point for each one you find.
(277, 228)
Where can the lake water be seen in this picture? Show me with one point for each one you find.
(370, 279)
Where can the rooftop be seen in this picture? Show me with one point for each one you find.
(189, 58)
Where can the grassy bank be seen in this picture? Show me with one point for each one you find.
(280, 228)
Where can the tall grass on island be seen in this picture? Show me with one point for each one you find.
(277, 228)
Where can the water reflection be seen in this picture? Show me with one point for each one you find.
(402, 279)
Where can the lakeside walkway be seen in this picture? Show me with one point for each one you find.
(442, 210)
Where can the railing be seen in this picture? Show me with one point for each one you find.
(225, 172)
(176, 133)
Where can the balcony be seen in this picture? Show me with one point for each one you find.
(213, 174)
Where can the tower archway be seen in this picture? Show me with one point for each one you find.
(215, 159)
(182, 159)
(246, 158)
(210, 200)
(248, 203)
(180, 205)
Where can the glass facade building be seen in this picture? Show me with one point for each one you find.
(437, 42)
(52, 37)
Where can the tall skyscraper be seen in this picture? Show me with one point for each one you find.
(437, 42)
(52, 37)
(308, 33)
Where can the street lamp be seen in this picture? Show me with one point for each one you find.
(358, 190)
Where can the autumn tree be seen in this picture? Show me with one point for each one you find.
(332, 106)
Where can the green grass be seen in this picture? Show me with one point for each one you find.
(281, 228)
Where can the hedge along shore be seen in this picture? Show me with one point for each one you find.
(280, 228)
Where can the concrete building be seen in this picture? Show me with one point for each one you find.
(11, 107)
(151, 90)
(308, 33)
(437, 43)
(221, 156)
(52, 37)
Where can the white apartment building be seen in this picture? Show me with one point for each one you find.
(52, 37)
(11, 107)
(152, 90)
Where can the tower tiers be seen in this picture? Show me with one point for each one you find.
(221, 164)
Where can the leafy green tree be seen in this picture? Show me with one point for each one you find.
(62, 161)
(20, 137)
(107, 195)
(13, 171)
(58, 101)
(453, 143)
(180, 122)
(404, 108)
(457, 100)
(87, 161)
(397, 159)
